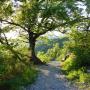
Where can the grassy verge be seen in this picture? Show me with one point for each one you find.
(19, 79)
(77, 75)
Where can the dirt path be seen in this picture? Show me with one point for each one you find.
(51, 78)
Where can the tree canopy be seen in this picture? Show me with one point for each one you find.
(30, 20)
(36, 17)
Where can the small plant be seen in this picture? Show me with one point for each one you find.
(73, 75)
(43, 57)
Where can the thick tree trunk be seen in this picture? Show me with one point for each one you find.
(33, 56)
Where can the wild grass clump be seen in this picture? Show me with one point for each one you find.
(74, 72)
(14, 73)
(44, 57)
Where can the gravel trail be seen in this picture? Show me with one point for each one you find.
(51, 78)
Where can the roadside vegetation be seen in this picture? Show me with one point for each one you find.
(30, 20)
(75, 57)
(15, 73)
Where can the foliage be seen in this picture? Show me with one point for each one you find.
(76, 64)
(81, 47)
(13, 72)
(36, 17)
(44, 57)
(50, 47)
(64, 52)
(44, 43)
(73, 75)
(69, 64)
(79, 76)
(54, 52)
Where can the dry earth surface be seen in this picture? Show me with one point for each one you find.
(51, 78)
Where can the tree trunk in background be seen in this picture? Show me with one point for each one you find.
(33, 56)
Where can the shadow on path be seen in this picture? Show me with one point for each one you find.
(51, 78)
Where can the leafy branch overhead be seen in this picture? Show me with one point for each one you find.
(36, 17)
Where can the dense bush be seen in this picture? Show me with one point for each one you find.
(14, 73)
(51, 53)
(73, 71)
(44, 43)
(44, 57)
(69, 64)
(54, 52)
(81, 47)
(78, 61)
(80, 76)
(64, 52)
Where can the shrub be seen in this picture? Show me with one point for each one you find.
(83, 77)
(79, 75)
(18, 77)
(73, 75)
(43, 57)
(70, 63)
(14, 73)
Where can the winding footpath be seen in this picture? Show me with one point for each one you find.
(51, 78)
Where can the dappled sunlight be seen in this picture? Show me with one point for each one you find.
(50, 78)
(44, 44)
(45, 72)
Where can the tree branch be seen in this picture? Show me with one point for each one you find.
(6, 40)
(13, 23)
(61, 25)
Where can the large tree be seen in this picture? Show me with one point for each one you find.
(36, 17)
